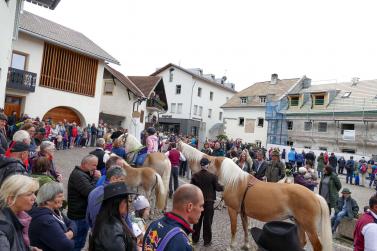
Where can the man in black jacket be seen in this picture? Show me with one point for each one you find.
(100, 154)
(15, 163)
(81, 182)
(259, 166)
(207, 182)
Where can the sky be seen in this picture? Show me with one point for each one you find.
(246, 40)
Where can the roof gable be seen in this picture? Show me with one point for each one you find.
(202, 78)
(274, 91)
(55, 33)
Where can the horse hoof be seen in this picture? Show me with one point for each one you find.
(245, 247)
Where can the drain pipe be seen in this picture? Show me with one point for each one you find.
(192, 93)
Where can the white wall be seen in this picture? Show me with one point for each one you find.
(189, 97)
(234, 130)
(44, 99)
(7, 21)
(119, 104)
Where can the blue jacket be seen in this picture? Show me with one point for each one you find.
(159, 228)
(120, 152)
(292, 155)
(300, 158)
(47, 231)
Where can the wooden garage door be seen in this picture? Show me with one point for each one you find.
(60, 113)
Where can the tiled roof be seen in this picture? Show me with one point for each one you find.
(202, 78)
(362, 98)
(273, 91)
(145, 83)
(125, 81)
(55, 33)
(51, 4)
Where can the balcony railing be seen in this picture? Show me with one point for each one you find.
(156, 103)
(21, 80)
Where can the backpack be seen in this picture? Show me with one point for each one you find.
(6, 169)
(363, 168)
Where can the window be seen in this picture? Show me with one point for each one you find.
(290, 125)
(347, 127)
(211, 96)
(209, 113)
(18, 61)
(65, 70)
(171, 71)
(294, 101)
(179, 108)
(195, 109)
(348, 151)
(289, 143)
(173, 107)
(322, 127)
(241, 121)
(243, 100)
(308, 126)
(178, 89)
(262, 99)
(307, 147)
(194, 130)
(322, 148)
(346, 95)
(199, 92)
(200, 111)
(260, 122)
(319, 99)
(258, 143)
(109, 88)
(220, 116)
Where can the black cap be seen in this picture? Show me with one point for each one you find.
(118, 189)
(151, 130)
(204, 162)
(277, 236)
(3, 117)
(19, 147)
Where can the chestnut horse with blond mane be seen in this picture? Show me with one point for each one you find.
(158, 161)
(266, 201)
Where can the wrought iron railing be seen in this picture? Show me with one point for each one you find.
(21, 80)
(155, 103)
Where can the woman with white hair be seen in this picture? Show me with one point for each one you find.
(19, 136)
(299, 178)
(47, 150)
(49, 228)
(17, 195)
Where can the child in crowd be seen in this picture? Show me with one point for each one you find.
(142, 207)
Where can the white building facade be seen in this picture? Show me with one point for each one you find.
(194, 101)
(51, 78)
(245, 112)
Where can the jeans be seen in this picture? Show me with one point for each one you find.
(362, 179)
(173, 178)
(349, 176)
(335, 220)
(82, 231)
(182, 169)
(372, 176)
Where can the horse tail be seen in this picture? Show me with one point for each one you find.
(161, 192)
(166, 173)
(325, 227)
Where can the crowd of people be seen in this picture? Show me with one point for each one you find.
(32, 215)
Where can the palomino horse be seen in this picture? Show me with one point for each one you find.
(158, 161)
(266, 201)
(150, 180)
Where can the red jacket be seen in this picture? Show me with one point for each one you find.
(74, 132)
(174, 156)
(358, 237)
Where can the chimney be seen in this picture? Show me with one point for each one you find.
(274, 78)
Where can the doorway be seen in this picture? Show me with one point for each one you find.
(12, 104)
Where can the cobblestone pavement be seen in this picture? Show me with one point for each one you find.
(67, 159)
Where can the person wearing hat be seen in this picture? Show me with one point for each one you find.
(299, 178)
(110, 231)
(207, 182)
(3, 135)
(346, 208)
(14, 164)
(275, 169)
(277, 236)
(139, 217)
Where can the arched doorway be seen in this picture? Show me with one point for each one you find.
(62, 112)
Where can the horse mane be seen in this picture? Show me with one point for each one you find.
(132, 141)
(230, 173)
(190, 152)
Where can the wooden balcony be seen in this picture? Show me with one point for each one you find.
(21, 80)
(155, 104)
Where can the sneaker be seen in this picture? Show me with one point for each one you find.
(208, 244)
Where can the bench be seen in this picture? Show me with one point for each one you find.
(346, 228)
